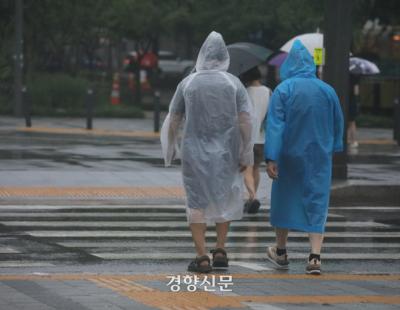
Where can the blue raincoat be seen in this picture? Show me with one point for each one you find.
(304, 128)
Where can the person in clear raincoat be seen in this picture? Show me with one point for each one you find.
(304, 128)
(216, 114)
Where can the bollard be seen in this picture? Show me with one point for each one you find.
(89, 108)
(27, 107)
(396, 123)
(156, 111)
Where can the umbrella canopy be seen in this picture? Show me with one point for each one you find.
(310, 40)
(362, 66)
(278, 59)
(244, 56)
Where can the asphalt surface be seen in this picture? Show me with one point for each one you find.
(64, 245)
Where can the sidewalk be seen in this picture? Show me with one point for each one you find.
(59, 166)
(247, 291)
(126, 127)
(126, 167)
(77, 126)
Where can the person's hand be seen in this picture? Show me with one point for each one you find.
(272, 169)
(242, 167)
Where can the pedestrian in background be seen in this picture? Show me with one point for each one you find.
(259, 95)
(304, 129)
(216, 113)
(353, 111)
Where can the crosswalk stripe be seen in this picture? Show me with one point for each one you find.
(189, 244)
(248, 265)
(88, 207)
(240, 256)
(123, 232)
(181, 215)
(177, 234)
(7, 250)
(163, 207)
(20, 263)
(375, 208)
(169, 224)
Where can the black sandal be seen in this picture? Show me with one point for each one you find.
(196, 264)
(254, 207)
(246, 206)
(220, 261)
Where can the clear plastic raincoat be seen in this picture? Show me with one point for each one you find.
(216, 113)
(304, 128)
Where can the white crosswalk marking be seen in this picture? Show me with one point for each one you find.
(241, 256)
(177, 234)
(159, 232)
(175, 224)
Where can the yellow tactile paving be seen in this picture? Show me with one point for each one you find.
(93, 132)
(138, 133)
(160, 277)
(378, 141)
(321, 299)
(92, 192)
(126, 285)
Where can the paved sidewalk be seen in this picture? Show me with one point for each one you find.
(121, 158)
(230, 291)
(122, 127)
(127, 127)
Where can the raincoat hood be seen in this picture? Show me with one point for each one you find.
(213, 54)
(299, 63)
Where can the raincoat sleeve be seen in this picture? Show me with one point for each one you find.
(246, 121)
(274, 126)
(338, 125)
(170, 127)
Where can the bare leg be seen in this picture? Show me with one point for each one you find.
(281, 237)
(198, 234)
(256, 178)
(316, 242)
(249, 181)
(222, 232)
(351, 132)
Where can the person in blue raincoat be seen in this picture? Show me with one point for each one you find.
(303, 129)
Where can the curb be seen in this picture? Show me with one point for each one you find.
(91, 132)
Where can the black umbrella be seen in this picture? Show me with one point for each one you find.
(244, 56)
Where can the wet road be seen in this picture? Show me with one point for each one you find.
(55, 152)
(60, 235)
(363, 238)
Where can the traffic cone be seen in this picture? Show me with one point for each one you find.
(144, 81)
(115, 94)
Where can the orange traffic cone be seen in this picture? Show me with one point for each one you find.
(115, 95)
(144, 81)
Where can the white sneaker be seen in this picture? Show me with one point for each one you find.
(280, 261)
(353, 145)
(314, 267)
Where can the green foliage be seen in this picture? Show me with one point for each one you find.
(64, 95)
(58, 34)
(56, 93)
(275, 21)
